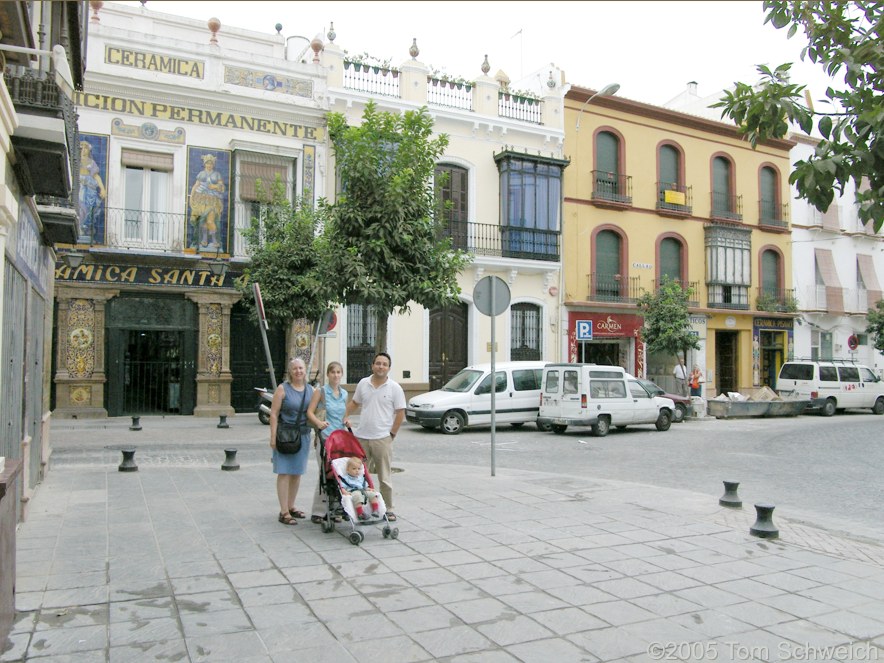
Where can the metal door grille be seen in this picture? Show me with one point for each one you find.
(362, 333)
(152, 373)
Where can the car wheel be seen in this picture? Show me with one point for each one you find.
(601, 428)
(264, 418)
(878, 408)
(664, 420)
(546, 428)
(681, 411)
(517, 424)
(558, 429)
(452, 422)
(828, 408)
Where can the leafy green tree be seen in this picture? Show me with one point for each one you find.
(284, 251)
(667, 325)
(875, 320)
(842, 37)
(384, 242)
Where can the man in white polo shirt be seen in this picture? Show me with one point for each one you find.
(383, 410)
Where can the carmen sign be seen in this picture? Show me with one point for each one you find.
(139, 275)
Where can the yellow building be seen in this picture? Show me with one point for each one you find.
(653, 193)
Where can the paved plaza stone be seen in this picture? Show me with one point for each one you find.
(181, 561)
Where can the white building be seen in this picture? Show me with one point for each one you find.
(838, 267)
(505, 163)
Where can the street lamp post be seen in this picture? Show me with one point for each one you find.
(607, 91)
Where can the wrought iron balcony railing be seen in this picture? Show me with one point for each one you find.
(136, 229)
(449, 93)
(611, 187)
(517, 107)
(773, 215)
(373, 79)
(487, 239)
(674, 199)
(776, 300)
(613, 288)
(693, 288)
(727, 296)
(726, 207)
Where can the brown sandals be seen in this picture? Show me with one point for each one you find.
(287, 519)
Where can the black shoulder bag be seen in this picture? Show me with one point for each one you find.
(288, 436)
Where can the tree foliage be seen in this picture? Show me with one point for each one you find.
(667, 325)
(285, 257)
(843, 38)
(875, 321)
(385, 245)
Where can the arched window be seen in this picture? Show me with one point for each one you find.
(452, 196)
(770, 273)
(670, 167)
(609, 183)
(608, 279)
(725, 204)
(768, 205)
(526, 332)
(671, 259)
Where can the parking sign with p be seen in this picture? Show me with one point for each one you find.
(584, 330)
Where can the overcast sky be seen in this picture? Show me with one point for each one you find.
(651, 48)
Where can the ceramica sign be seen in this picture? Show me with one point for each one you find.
(164, 64)
(141, 275)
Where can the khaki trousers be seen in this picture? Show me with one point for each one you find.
(379, 454)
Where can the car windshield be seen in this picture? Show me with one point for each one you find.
(652, 387)
(463, 381)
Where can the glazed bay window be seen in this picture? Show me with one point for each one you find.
(530, 205)
(147, 221)
(728, 266)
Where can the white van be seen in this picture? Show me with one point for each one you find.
(465, 400)
(599, 397)
(832, 385)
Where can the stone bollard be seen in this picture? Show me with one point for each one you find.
(230, 464)
(730, 497)
(764, 526)
(222, 423)
(128, 464)
(136, 423)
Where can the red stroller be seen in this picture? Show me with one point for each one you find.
(335, 450)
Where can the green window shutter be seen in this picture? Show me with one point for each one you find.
(670, 259)
(770, 271)
(607, 153)
(669, 158)
(768, 193)
(721, 185)
(607, 253)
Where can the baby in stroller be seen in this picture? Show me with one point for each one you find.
(348, 483)
(353, 483)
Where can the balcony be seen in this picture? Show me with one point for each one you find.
(726, 207)
(693, 288)
(382, 81)
(46, 145)
(517, 107)
(727, 296)
(486, 239)
(611, 189)
(449, 93)
(772, 216)
(675, 200)
(776, 300)
(856, 300)
(138, 230)
(614, 288)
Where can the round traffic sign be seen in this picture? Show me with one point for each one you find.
(485, 302)
(853, 342)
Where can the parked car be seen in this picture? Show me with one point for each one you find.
(598, 397)
(465, 400)
(682, 403)
(831, 385)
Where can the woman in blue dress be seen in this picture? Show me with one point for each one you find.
(331, 397)
(290, 402)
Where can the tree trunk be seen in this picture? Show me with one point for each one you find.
(381, 339)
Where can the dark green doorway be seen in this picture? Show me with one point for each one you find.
(248, 361)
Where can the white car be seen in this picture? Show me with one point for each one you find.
(465, 400)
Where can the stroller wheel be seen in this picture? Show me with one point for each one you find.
(355, 538)
(395, 533)
(327, 527)
(386, 532)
